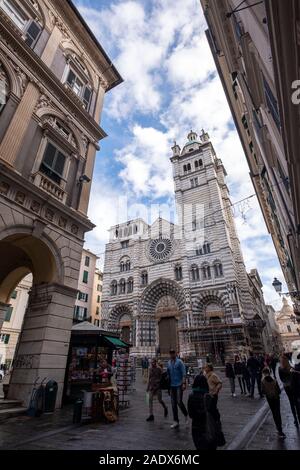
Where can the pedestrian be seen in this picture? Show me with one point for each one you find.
(295, 383)
(272, 392)
(229, 372)
(215, 386)
(153, 388)
(238, 370)
(285, 375)
(145, 367)
(273, 364)
(204, 431)
(254, 368)
(246, 376)
(177, 375)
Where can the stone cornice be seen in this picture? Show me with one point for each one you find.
(27, 186)
(44, 78)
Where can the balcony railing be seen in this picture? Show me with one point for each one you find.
(45, 183)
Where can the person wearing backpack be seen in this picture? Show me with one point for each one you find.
(154, 390)
(271, 390)
(204, 429)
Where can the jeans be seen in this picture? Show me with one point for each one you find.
(274, 404)
(254, 377)
(232, 384)
(242, 384)
(158, 394)
(176, 400)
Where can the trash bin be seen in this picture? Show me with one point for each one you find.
(50, 396)
(77, 411)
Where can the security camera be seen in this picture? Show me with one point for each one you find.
(84, 179)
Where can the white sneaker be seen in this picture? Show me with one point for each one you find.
(234, 395)
(175, 425)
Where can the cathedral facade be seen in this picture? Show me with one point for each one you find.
(182, 285)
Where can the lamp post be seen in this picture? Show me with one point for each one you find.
(295, 295)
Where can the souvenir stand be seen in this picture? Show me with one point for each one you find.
(89, 374)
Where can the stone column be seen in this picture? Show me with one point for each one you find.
(99, 104)
(44, 342)
(13, 138)
(88, 171)
(3, 310)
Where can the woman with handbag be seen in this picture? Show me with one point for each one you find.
(204, 427)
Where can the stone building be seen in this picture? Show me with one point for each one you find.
(13, 321)
(97, 298)
(86, 281)
(287, 326)
(182, 285)
(54, 75)
(256, 50)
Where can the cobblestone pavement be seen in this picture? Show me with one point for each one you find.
(266, 437)
(130, 432)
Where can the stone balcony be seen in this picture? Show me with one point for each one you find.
(49, 186)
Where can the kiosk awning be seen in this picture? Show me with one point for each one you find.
(116, 342)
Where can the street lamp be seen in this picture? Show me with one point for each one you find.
(277, 285)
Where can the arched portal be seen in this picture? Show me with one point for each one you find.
(121, 321)
(44, 339)
(161, 310)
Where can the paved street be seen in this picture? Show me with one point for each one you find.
(133, 432)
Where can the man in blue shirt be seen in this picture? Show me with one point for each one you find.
(177, 375)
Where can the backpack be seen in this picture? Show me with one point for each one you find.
(164, 383)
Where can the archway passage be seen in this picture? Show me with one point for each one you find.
(44, 340)
(121, 321)
(167, 314)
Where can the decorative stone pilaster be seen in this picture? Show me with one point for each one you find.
(88, 171)
(44, 341)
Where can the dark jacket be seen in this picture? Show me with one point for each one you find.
(204, 427)
(285, 376)
(253, 365)
(295, 382)
(238, 368)
(270, 388)
(229, 371)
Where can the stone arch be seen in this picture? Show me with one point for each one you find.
(43, 112)
(70, 49)
(44, 12)
(116, 314)
(22, 252)
(15, 82)
(158, 289)
(211, 296)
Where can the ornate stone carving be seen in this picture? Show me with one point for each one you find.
(20, 197)
(35, 206)
(4, 188)
(74, 229)
(43, 102)
(49, 215)
(59, 24)
(22, 77)
(62, 222)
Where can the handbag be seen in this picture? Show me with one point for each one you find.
(164, 383)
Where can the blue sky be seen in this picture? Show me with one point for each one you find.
(170, 86)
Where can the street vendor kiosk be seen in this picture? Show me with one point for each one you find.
(89, 372)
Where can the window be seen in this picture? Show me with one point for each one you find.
(8, 314)
(114, 288)
(289, 328)
(80, 313)
(206, 248)
(122, 286)
(14, 13)
(98, 299)
(199, 251)
(32, 33)
(99, 288)
(218, 268)
(194, 182)
(87, 261)
(85, 277)
(14, 294)
(97, 322)
(4, 338)
(53, 163)
(195, 273)
(130, 286)
(178, 273)
(206, 272)
(272, 103)
(198, 164)
(125, 244)
(97, 310)
(144, 278)
(83, 91)
(83, 296)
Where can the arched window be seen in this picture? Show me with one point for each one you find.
(199, 251)
(206, 272)
(206, 248)
(122, 286)
(184, 168)
(122, 266)
(144, 278)
(127, 265)
(200, 163)
(114, 288)
(78, 80)
(130, 285)
(178, 273)
(189, 168)
(135, 229)
(218, 269)
(4, 88)
(195, 276)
